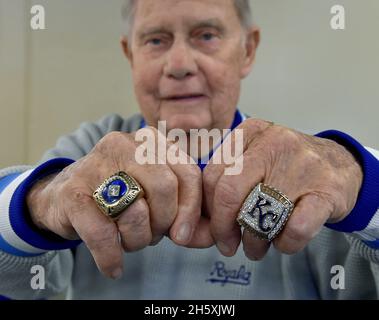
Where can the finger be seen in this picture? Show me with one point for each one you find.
(230, 193)
(189, 199)
(254, 248)
(202, 237)
(310, 214)
(156, 177)
(99, 233)
(250, 129)
(160, 186)
(134, 226)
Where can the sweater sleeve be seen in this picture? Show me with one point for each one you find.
(18, 257)
(361, 226)
(22, 246)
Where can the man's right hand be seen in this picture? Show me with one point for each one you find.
(63, 203)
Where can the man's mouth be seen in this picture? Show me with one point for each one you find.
(185, 97)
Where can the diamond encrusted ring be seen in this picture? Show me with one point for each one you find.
(265, 212)
(117, 193)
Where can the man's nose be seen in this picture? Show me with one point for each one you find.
(180, 62)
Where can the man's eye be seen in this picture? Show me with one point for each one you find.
(207, 36)
(155, 42)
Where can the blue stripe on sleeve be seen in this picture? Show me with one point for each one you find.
(6, 247)
(368, 200)
(18, 209)
(372, 244)
(5, 181)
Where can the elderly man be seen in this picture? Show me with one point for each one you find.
(170, 230)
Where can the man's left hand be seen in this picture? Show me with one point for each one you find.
(320, 177)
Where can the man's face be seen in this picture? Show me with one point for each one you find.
(188, 58)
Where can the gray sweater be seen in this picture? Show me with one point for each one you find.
(168, 271)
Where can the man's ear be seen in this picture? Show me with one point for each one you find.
(126, 48)
(253, 37)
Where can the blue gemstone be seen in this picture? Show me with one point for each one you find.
(114, 191)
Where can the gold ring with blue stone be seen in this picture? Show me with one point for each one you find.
(117, 193)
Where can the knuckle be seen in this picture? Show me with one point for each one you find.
(313, 157)
(134, 227)
(109, 142)
(193, 174)
(136, 216)
(77, 196)
(147, 131)
(282, 139)
(225, 196)
(150, 132)
(67, 173)
(114, 137)
(167, 183)
(194, 171)
(102, 237)
(334, 202)
(153, 130)
(328, 199)
(298, 233)
(137, 242)
(344, 206)
(257, 123)
(291, 136)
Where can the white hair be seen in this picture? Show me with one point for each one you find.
(243, 9)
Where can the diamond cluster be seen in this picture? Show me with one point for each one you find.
(265, 212)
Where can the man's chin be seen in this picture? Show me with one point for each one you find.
(187, 122)
(186, 117)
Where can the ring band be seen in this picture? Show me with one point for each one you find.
(265, 212)
(117, 193)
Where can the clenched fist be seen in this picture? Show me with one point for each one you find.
(63, 203)
(321, 177)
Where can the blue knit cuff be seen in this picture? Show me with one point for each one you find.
(18, 211)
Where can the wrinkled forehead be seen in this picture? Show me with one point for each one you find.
(184, 13)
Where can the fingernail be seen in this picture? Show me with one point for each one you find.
(251, 257)
(184, 232)
(117, 274)
(224, 248)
